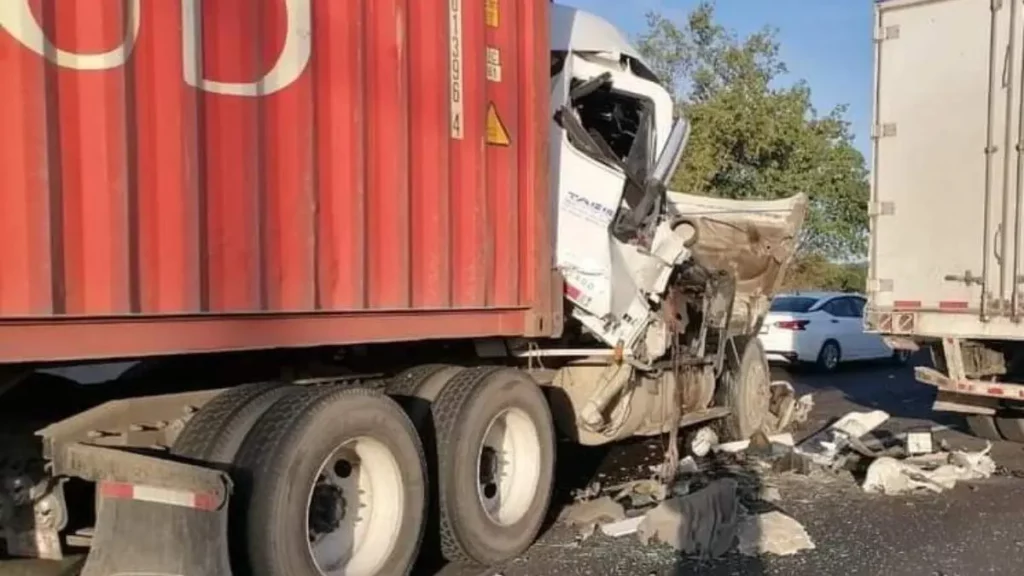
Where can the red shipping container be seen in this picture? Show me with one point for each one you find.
(186, 175)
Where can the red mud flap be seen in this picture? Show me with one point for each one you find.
(154, 517)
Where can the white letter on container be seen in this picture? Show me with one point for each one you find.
(291, 62)
(17, 19)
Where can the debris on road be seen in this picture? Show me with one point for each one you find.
(588, 514)
(825, 446)
(700, 524)
(769, 494)
(703, 440)
(622, 527)
(937, 473)
(772, 533)
(787, 408)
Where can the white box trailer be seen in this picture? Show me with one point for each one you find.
(946, 241)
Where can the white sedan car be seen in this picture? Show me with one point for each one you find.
(821, 328)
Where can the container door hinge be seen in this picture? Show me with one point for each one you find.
(883, 130)
(996, 5)
(887, 33)
(876, 285)
(881, 209)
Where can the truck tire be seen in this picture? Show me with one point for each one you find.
(417, 388)
(1011, 427)
(495, 467)
(745, 387)
(215, 433)
(333, 482)
(983, 426)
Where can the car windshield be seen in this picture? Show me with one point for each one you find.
(793, 304)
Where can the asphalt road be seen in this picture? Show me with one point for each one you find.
(975, 529)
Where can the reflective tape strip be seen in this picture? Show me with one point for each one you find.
(169, 496)
(953, 305)
(906, 304)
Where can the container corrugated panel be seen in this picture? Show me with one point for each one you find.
(180, 175)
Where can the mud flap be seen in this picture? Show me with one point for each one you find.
(154, 517)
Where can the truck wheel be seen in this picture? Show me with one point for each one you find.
(1011, 428)
(829, 356)
(333, 482)
(416, 388)
(216, 432)
(496, 461)
(745, 387)
(983, 426)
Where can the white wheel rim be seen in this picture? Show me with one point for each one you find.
(508, 467)
(354, 509)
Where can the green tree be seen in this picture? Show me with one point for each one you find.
(755, 138)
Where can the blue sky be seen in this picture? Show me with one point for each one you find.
(825, 42)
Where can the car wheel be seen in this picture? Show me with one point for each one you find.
(829, 357)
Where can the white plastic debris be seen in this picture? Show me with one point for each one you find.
(772, 533)
(703, 441)
(857, 424)
(622, 527)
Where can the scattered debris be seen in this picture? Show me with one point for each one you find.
(772, 533)
(890, 476)
(824, 447)
(770, 494)
(785, 439)
(688, 466)
(593, 490)
(920, 441)
(622, 527)
(792, 462)
(802, 411)
(641, 493)
(703, 440)
(700, 524)
(587, 515)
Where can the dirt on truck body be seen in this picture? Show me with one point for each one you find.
(362, 276)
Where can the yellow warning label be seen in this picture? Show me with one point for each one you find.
(493, 15)
(497, 135)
